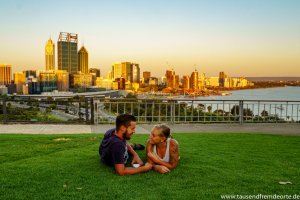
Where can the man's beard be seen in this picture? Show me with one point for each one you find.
(125, 136)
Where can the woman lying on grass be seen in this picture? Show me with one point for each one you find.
(162, 151)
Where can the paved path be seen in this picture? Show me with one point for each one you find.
(281, 129)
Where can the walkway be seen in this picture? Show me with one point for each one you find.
(281, 129)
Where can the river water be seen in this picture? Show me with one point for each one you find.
(280, 93)
(264, 100)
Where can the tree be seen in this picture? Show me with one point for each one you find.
(264, 113)
(235, 110)
(209, 108)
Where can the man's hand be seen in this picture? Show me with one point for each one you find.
(136, 159)
(161, 169)
(148, 166)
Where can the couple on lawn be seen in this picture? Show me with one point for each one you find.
(161, 150)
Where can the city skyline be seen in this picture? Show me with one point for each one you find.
(243, 38)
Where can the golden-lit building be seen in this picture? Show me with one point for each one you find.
(54, 80)
(153, 81)
(134, 73)
(169, 78)
(95, 74)
(201, 81)
(109, 75)
(48, 81)
(127, 70)
(146, 76)
(104, 83)
(222, 77)
(5, 74)
(212, 81)
(121, 70)
(62, 80)
(50, 55)
(19, 80)
(81, 80)
(83, 60)
(194, 80)
(186, 82)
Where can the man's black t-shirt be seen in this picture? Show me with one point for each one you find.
(112, 149)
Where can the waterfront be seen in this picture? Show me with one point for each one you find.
(280, 93)
(259, 100)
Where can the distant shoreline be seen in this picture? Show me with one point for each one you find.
(273, 79)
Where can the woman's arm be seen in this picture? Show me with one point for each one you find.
(174, 156)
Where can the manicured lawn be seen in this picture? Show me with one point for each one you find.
(40, 167)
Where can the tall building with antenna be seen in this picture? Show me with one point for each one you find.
(50, 55)
(67, 52)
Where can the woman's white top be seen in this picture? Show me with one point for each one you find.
(167, 154)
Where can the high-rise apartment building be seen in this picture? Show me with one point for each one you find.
(186, 82)
(50, 55)
(134, 73)
(127, 70)
(5, 74)
(169, 78)
(95, 74)
(62, 80)
(121, 70)
(67, 52)
(146, 76)
(19, 80)
(194, 80)
(83, 60)
(222, 77)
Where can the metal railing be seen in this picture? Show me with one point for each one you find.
(198, 111)
(100, 110)
(63, 111)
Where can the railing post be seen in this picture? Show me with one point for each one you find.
(92, 111)
(173, 112)
(4, 111)
(86, 110)
(241, 111)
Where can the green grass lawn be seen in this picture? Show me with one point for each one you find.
(40, 167)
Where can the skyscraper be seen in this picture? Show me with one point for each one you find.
(19, 80)
(146, 76)
(83, 60)
(5, 74)
(134, 73)
(67, 52)
(50, 55)
(194, 80)
(95, 74)
(169, 78)
(186, 82)
(222, 77)
(127, 70)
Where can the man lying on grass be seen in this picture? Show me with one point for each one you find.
(162, 151)
(114, 149)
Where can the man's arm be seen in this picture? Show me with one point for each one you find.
(122, 170)
(136, 158)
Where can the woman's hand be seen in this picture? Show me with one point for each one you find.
(161, 169)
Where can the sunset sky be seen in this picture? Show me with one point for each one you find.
(240, 37)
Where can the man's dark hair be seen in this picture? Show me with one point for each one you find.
(124, 120)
